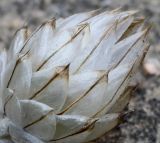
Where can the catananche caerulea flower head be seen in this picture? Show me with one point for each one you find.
(70, 80)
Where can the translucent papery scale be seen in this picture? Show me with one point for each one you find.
(70, 80)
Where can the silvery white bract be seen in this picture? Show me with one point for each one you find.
(69, 81)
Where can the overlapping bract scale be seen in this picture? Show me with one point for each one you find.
(70, 80)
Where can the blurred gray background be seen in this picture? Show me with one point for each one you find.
(141, 126)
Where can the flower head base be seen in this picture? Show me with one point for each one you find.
(71, 79)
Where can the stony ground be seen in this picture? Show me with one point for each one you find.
(141, 126)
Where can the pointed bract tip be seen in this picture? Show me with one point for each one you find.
(146, 30)
(95, 12)
(122, 115)
(116, 10)
(51, 22)
(24, 29)
(132, 12)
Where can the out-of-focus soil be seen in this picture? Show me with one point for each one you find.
(141, 126)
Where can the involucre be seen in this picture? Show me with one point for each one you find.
(70, 80)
